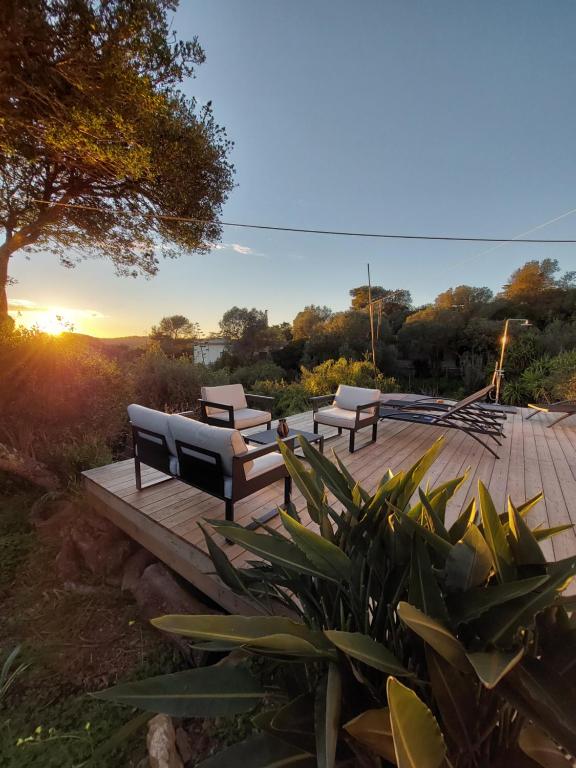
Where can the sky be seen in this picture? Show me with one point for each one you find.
(454, 117)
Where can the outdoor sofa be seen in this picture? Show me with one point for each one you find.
(227, 406)
(351, 408)
(467, 415)
(214, 459)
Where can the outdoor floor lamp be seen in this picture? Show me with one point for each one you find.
(499, 369)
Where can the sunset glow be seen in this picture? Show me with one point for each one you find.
(56, 319)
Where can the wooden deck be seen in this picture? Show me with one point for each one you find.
(164, 518)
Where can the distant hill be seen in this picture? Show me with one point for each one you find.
(132, 342)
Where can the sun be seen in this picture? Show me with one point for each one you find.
(53, 324)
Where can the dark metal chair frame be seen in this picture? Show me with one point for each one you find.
(207, 474)
(565, 407)
(321, 401)
(466, 415)
(268, 402)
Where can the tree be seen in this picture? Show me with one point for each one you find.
(307, 321)
(97, 143)
(175, 327)
(534, 279)
(247, 332)
(464, 297)
(393, 299)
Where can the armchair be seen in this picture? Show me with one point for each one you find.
(228, 406)
(351, 408)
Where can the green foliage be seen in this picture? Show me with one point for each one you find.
(262, 370)
(325, 378)
(469, 616)
(288, 398)
(169, 383)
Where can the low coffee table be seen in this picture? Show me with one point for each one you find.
(268, 436)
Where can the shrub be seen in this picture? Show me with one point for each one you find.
(324, 379)
(414, 642)
(262, 370)
(56, 390)
(172, 384)
(288, 398)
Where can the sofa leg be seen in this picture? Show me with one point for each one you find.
(315, 427)
(269, 425)
(138, 473)
(287, 490)
(229, 510)
(374, 431)
(339, 431)
(352, 435)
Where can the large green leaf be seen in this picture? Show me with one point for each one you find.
(306, 481)
(492, 666)
(411, 527)
(364, 649)
(541, 534)
(224, 567)
(455, 695)
(469, 562)
(418, 741)
(414, 476)
(496, 536)
(219, 691)
(524, 508)
(435, 634)
(475, 602)
(430, 508)
(423, 590)
(287, 645)
(463, 521)
(277, 551)
(327, 717)
(294, 723)
(329, 559)
(524, 546)
(373, 730)
(540, 748)
(543, 697)
(261, 751)
(334, 479)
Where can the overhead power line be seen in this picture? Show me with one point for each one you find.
(338, 233)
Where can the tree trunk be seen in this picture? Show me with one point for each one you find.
(27, 235)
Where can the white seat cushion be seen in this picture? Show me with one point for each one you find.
(336, 417)
(245, 417)
(228, 394)
(255, 468)
(349, 398)
(155, 421)
(226, 442)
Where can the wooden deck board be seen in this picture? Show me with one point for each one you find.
(164, 517)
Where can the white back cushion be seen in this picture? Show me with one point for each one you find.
(350, 397)
(226, 442)
(227, 394)
(155, 421)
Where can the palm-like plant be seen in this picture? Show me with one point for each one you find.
(417, 644)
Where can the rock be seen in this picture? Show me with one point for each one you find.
(14, 462)
(161, 742)
(184, 744)
(68, 562)
(134, 567)
(102, 546)
(158, 593)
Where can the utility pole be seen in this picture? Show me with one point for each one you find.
(372, 323)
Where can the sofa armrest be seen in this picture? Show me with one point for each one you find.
(264, 400)
(238, 462)
(319, 400)
(204, 404)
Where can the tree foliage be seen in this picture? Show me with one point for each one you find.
(175, 327)
(392, 299)
(91, 116)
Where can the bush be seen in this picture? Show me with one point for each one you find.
(324, 379)
(288, 398)
(56, 390)
(263, 370)
(172, 384)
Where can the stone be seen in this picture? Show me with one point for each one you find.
(161, 743)
(184, 744)
(134, 568)
(103, 548)
(68, 563)
(158, 593)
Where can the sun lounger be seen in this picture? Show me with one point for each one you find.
(565, 407)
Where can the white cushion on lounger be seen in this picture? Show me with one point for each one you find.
(228, 394)
(226, 442)
(257, 467)
(244, 417)
(155, 421)
(349, 398)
